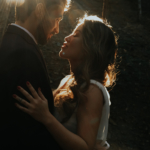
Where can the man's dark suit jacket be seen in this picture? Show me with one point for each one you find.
(22, 61)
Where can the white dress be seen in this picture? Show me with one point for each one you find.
(71, 124)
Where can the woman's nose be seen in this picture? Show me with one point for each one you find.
(57, 28)
(67, 38)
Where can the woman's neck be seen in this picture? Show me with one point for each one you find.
(74, 65)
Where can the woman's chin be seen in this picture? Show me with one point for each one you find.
(62, 54)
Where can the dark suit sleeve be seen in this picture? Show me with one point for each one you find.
(20, 66)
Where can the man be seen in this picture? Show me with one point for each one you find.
(22, 61)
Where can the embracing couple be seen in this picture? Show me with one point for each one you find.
(75, 115)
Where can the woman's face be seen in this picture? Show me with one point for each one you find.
(72, 47)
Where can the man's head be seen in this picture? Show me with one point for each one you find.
(42, 16)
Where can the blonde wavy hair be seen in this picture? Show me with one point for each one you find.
(100, 50)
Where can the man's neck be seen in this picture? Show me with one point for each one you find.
(27, 27)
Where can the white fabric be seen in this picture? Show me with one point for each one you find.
(71, 124)
(25, 31)
(103, 127)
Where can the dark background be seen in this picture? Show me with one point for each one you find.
(129, 117)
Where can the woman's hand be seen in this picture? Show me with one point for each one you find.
(37, 106)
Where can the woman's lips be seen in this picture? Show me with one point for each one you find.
(64, 45)
(49, 36)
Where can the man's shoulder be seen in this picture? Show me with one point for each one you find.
(15, 48)
(14, 41)
(16, 45)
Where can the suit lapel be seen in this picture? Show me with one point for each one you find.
(28, 39)
(41, 55)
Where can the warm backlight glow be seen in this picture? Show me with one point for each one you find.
(19, 2)
(15, 1)
(68, 5)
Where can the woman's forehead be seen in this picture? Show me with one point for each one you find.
(79, 27)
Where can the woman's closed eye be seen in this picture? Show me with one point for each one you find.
(75, 34)
(58, 19)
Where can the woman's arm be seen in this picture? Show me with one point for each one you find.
(88, 120)
(88, 116)
(65, 138)
(38, 109)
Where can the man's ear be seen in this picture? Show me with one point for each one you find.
(40, 11)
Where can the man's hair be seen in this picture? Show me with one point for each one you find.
(25, 9)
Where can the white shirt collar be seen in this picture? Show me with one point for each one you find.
(25, 31)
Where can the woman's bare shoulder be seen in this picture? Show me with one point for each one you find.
(89, 114)
(93, 99)
(94, 93)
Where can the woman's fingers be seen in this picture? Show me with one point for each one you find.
(26, 94)
(41, 94)
(34, 93)
(22, 101)
(23, 108)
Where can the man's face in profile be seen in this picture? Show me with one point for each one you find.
(49, 25)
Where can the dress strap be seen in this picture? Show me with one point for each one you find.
(107, 146)
(103, 88)
(103, 127)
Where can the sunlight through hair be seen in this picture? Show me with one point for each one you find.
(67, 5)
(107, 80)
(93, 18)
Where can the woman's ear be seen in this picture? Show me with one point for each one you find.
(40, 11)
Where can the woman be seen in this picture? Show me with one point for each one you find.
(81, 100)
